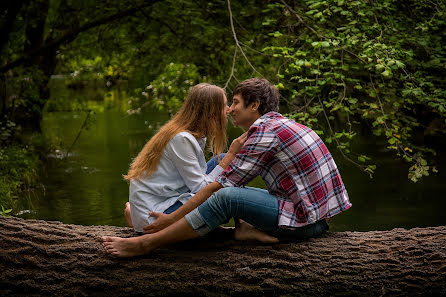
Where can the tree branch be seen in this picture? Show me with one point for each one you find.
(236, 40)
(72, 34)
(232, 69)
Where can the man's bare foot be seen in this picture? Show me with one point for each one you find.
(127, 247)
(245, 231)
(127, 216)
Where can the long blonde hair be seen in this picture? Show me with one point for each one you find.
(202, 114)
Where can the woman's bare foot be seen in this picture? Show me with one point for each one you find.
(127, 216)
(245, 231)
(127, 247)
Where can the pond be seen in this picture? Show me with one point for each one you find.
(85, 185)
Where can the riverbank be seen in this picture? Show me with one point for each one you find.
(47, 258)
(19, 171)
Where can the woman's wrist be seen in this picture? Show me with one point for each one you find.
(175, 216)
(229, 157)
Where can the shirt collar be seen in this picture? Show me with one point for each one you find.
(202, 142)
(268, 115)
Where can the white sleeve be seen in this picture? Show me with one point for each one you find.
(184, 154)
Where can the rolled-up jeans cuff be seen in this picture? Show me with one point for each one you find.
(195, 220)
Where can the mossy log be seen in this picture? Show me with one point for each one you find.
(51, 258)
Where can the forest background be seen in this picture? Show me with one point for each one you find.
(343, 68)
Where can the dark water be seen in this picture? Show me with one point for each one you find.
(87, 187)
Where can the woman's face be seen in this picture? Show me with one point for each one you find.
(226, 107)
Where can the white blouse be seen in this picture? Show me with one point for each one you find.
(180, 175)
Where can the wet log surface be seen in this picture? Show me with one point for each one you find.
(50, 258)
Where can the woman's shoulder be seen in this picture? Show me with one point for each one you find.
(183, 139)
(182, 136)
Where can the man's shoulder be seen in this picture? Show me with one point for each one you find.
(275, 122)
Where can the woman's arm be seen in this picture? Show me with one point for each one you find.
(164, 220)
(184, 152)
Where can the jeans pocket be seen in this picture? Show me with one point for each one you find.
(302, 233)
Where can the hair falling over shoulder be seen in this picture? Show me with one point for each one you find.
(202, 114)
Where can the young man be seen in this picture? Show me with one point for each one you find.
(303, 182)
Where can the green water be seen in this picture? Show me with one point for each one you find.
(87, 187)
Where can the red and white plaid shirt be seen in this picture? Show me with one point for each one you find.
(296, 167)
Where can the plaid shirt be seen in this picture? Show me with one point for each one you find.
(296, 167)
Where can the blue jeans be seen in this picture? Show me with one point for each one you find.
(255, 206)
(210, 166)
(214, 162)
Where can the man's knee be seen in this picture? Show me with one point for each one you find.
(225, 197)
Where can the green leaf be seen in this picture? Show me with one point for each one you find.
(387, 73)
(353, 100)
(379, 67)
(325, 44)
(392, 140)
(276, 34)
(400, 64)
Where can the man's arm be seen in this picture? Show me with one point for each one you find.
(164, 220)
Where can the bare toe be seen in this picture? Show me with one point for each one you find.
(106, 238)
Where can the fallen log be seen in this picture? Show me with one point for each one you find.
(51, 258)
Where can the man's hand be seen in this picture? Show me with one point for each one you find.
(162, 221)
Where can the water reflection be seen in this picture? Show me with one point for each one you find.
(87, 187)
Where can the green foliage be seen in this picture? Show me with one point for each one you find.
(7, 129)
(169, 90)
(342, 66)
(4, 212)
(24, 99)
(355, 63)
(107, 73)
(18, 170)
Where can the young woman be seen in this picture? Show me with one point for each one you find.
(171, 167)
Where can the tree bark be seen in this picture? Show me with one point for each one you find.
(51, 258)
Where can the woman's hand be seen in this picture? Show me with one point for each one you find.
(238, 143)
(162, 221)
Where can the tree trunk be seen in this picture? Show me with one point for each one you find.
(51, 258)
(31, 114)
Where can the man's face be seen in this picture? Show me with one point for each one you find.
(242, 115)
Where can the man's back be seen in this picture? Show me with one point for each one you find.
(296, 167)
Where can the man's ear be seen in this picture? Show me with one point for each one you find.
(255, 106)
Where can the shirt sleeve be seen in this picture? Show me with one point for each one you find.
(258, 150)
(184, 153)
